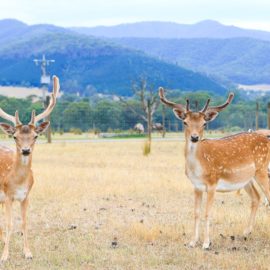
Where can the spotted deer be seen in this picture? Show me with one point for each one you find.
(16, 177)
(222, 165)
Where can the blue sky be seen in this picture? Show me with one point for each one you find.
(248, 14)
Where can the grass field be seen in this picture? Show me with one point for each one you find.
(106, 206)
(20, 92)
(88, 136)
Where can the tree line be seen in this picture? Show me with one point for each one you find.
(112, 114)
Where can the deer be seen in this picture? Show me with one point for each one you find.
(220, 165)
(264, 132)
(158, 127)
(16, 166)
(139, 128)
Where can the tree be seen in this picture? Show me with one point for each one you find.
(78, 115)
(148, 101)
(108, 115)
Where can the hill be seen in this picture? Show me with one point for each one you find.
(85, 63)
(156, 29)
(240, 60)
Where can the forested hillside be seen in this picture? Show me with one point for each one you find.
(87, 64)
(240, 60)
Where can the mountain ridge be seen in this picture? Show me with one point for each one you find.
(159, 29)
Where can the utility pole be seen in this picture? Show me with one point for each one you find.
(45, 81)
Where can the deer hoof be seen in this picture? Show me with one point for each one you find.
(4, 257)
(28, 255)
(192, 244)
(206, 245)
(247, 231)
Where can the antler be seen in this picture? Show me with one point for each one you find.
(205, 106)
(170, 103)
(56, 87)
(220, 107)
(14, 119)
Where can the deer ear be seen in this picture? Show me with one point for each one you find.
(8, 129)
(180, 114)
(210, 116)
(42, 127)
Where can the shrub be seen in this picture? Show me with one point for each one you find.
(76, 131)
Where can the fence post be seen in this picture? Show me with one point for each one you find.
(257, 116)
(163, 121)
(268, 115)
(149, 120)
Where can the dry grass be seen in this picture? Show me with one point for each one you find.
(20, 92)
(147, 148)
(88, 196)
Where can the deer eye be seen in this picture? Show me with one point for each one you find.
(36, 137)
(15, 138)
(204, 124)
(185, 123)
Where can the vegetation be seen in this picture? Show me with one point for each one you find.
(239, 60)
(77, 114)
(87, 64)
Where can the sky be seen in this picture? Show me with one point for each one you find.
(242, 13)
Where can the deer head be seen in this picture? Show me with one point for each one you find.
(194, 122)
(25, 135)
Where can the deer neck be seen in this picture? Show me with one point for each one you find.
(23, 162)
(192, 154)
(191, 149)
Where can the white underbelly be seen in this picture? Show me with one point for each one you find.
(222, 185)
(225, 186)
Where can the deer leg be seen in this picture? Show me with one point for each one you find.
(8, 216)
(209, 203)
(266, 202)
(197, 215)
(263, 181)
(26, 249)
(255, 201)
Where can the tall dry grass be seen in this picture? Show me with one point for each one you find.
(106, 206)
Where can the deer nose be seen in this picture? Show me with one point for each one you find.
(26, 152)
(194, 138)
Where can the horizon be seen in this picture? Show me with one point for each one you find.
(134, 22)
(89, 13)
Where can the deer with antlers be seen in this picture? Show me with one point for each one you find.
(222, 165)
(15, 167)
